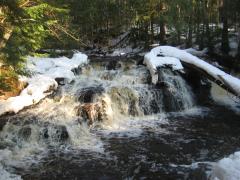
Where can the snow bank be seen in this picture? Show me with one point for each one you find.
(57, 67)
(227, 168)
(42, 83)
(218, 74)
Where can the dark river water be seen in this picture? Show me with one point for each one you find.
(141, 134)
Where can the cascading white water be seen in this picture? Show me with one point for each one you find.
(177, 95)
(99, 98)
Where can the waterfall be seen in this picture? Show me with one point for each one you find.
(98, 96)
(177, 94)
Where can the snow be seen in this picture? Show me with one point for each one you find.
(216, 64)
(186, 57)
(153, 62)
(196, 52)
(42, 65)
(227, 168)
(124, 51)
(42, 83)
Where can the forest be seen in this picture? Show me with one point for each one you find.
(119, 89)
(27, 26)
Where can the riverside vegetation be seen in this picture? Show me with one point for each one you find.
(27, 26)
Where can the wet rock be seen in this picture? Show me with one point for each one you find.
(25, 132)
(60, 81)
(89, 94)
(199, 84)
(62, 133)
(77, 71)
(113, 65)
(55, 133)
(3, 121)
(90, 112)
(44, 133)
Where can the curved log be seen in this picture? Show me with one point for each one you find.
(220, 82)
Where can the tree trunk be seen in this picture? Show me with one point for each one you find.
(162, 33)
(201, 46)
(190, 31)
(225, 42)
(162, 27)
(152, 30)
(209, 38)
(178, 37)
(207, 19)
(238, 54)
(198, 33)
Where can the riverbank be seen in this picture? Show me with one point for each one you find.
(46, 74)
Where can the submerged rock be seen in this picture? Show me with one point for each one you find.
(89, 94)
(55, 133)
(25, 132)
(113, 65)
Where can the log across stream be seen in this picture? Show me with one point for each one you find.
(112, 123)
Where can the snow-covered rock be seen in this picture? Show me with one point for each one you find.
(42, 83)
(227, 168)
(186, 57)
(153, 61)
(42, 65)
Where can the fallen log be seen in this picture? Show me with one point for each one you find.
(220, 82)
(222, 79)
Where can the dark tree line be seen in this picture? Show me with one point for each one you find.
(29, 25)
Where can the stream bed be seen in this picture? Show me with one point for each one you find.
(111, 123)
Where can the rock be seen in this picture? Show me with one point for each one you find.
(77, 71)
(60, 81)
(90, 112)
(25, 132)
(89, 94)
(113, 65)
(55, 133)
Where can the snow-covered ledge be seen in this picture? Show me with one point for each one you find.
(152, 59)
(42, 83)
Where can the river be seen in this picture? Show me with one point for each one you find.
(111, 123)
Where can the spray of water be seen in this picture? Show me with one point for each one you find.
(120, 101)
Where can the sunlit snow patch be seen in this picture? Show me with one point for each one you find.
(42, 83)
